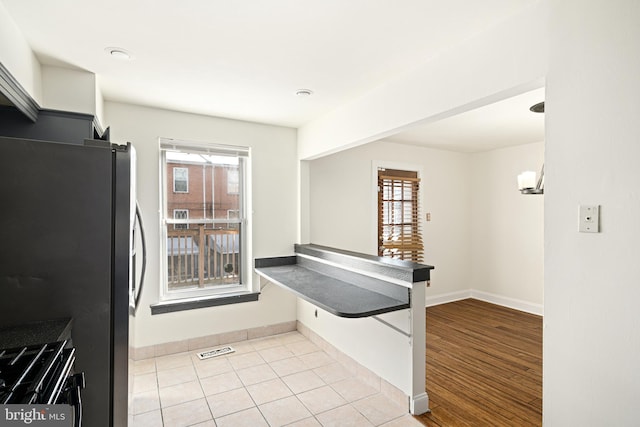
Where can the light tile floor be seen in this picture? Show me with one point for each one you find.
(283, 380)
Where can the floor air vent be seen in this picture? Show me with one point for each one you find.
(215, 352)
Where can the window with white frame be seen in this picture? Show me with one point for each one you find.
(180, 180)
(206, 250)
(180, 214)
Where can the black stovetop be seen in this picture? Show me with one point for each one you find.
(35, 374)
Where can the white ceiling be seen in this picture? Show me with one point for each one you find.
(501, 124)
(245, 59)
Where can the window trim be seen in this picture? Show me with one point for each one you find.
(171, 306)
(224, 292)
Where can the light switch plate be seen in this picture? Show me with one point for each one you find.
(589, 219)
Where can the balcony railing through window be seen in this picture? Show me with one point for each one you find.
(200, 257)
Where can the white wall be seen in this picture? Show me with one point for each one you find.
(507, 262)
(17, 57)
(592, 281)
(342, 206)
(99, 101)
(274, 170)
(67, 89)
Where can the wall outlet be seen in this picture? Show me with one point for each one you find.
(589, 221)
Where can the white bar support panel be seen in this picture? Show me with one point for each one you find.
(418, 400)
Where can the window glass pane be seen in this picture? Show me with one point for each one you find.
(208, 196)
(203, 257)
(233, 181)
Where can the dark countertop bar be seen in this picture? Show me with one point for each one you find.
(333, 295)
(316, 274)
(31, 333)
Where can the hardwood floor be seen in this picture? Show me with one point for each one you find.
(484, 366)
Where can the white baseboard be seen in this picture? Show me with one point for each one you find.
(445, 298)
(513, 303)
(419, 404)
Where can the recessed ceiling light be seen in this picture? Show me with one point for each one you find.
(304, 92)
(119, 53)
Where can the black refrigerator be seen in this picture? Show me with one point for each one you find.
(66, 225)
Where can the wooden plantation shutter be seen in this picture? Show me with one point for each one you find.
(399, 231)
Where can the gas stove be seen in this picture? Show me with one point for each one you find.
(41, 374)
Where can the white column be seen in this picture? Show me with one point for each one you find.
(418, 400)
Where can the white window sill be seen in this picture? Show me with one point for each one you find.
(202, 302)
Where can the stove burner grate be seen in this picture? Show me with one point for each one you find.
(35, 374)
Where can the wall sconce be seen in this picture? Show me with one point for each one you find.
(527, 182)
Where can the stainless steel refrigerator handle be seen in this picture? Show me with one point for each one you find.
(138, 295)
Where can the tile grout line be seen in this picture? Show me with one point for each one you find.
(249, 349)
